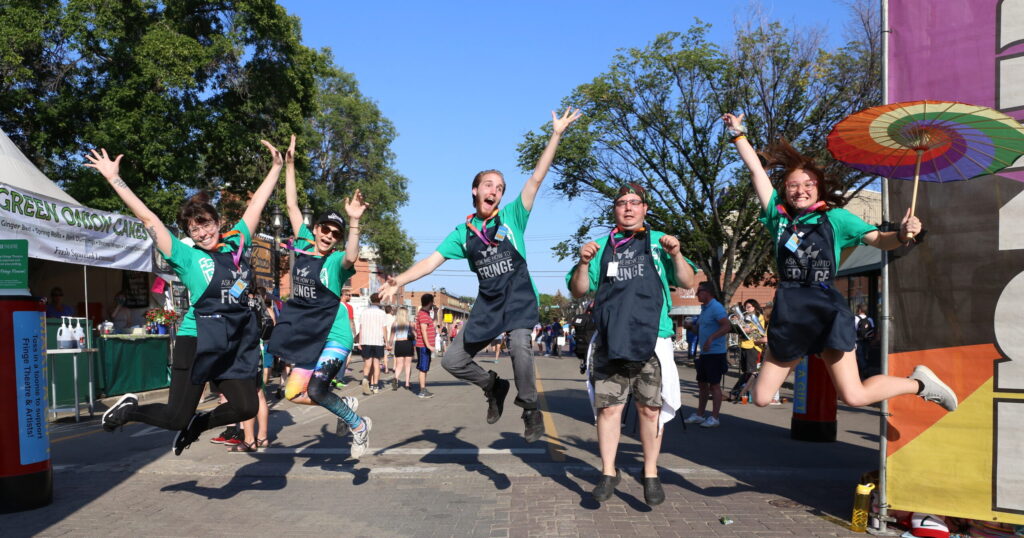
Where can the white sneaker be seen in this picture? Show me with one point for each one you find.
(694, 418)
(361, 440)
(341, 428)
(934, 389)
(709, 422)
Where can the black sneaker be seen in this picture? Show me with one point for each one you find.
(605, 487)
(115, 416)
(534, 424)
(653, 492)
(496, 397)
(186, 437)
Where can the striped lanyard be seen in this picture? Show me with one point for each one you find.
(482, 234)
(814, 207)
(290, 245)
(623, 241)
(236, 256)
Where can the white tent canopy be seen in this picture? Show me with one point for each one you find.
(16, 170)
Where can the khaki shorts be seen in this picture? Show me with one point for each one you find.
(615, 380)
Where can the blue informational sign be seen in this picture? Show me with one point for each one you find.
(30, 377)
(800, 387)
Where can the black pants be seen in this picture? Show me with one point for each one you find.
(184, 396)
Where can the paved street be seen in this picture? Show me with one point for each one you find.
(435, 468)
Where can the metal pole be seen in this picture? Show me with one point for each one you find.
(883, 427)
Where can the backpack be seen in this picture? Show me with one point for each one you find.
(865, 329)
(583, 324)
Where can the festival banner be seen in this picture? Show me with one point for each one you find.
(69, 233)
(957, 297)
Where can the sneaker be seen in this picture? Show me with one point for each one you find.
(534, 424)
(694, 418)
(710, 422)
(366, 386)
(653, 492)
(774, 402)
(375, 390)
(424, 394)
(605, 487)
(336, 383)
(361, 439)
(934, 389)
(394, 383)
(496, 397)
(222, 437)
(115, 416)
(341, 428)
(186, 437)
(236, 438)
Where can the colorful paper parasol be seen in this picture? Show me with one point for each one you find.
(928, 140)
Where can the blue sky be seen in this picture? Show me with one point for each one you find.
(463, 81)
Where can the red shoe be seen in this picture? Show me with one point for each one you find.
(224, 436)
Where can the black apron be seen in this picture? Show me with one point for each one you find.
(505, 300)
(307, 317)
(809, 315)
(627, 308)
(227, 341)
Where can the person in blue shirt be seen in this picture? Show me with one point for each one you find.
(712, 327)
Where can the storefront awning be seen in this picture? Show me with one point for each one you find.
(863, 260)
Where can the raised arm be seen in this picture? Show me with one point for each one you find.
(354, 207)
(558, 126)
(419, 270)
(111, 171)
(579, 284)
(262, 194)
(291, 193)
(762, 183)
(683, 271)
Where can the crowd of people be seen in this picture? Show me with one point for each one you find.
(630, 271)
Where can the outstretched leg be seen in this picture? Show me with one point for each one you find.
(770, 378)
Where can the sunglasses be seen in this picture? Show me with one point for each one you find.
(329, 230)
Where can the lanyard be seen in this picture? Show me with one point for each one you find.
(813, 207)
(482, 234)
(290, 245)
(623, 241)
(236, 256)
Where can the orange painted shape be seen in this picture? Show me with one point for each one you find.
(963, 368)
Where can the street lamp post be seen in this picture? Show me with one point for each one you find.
(276, 222)
(307, 217)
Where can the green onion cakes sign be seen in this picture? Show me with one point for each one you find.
(62, 232)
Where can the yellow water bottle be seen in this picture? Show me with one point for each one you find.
(861, 508)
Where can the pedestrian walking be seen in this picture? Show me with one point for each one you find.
(426, 331)
(373, 326)
(216, 276)
(313, 333)
(631, 271)
(809, 227)
(712, 364)
(492, 241)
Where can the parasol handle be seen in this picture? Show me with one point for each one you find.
(917, 177)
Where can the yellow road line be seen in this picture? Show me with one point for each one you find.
(555, 449)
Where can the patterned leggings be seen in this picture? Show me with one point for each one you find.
(317, 383)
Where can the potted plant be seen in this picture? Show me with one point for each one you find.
(160, 319)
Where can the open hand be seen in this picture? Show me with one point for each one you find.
(101, 161)
(355, 206)
(289, 156)
(387, 291)
(559, 124)
(276, 155)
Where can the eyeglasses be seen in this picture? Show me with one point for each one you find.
(328, 230)
(204, 227)
(632, 203)
(809, 186)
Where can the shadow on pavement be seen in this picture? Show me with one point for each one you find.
(465, 454)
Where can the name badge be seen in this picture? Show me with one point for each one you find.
(794, 242)
(613, 269)
(501, 233)
(238, 288)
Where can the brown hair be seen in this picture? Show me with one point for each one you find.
(634, 189)
(480, 175)
(783, 155)
(197, 209)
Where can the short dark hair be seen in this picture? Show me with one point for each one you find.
(374, 298)
(755, 304)
(426, 300)
(706, 286)
(388, 309)
(197, 209)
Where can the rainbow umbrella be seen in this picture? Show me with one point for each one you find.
(928, 140)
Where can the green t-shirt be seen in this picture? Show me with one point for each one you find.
(333, 276)
(847, 229)
(662, 261)
(514, 215)
(195, 269)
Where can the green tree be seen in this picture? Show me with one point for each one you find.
(654, 118)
